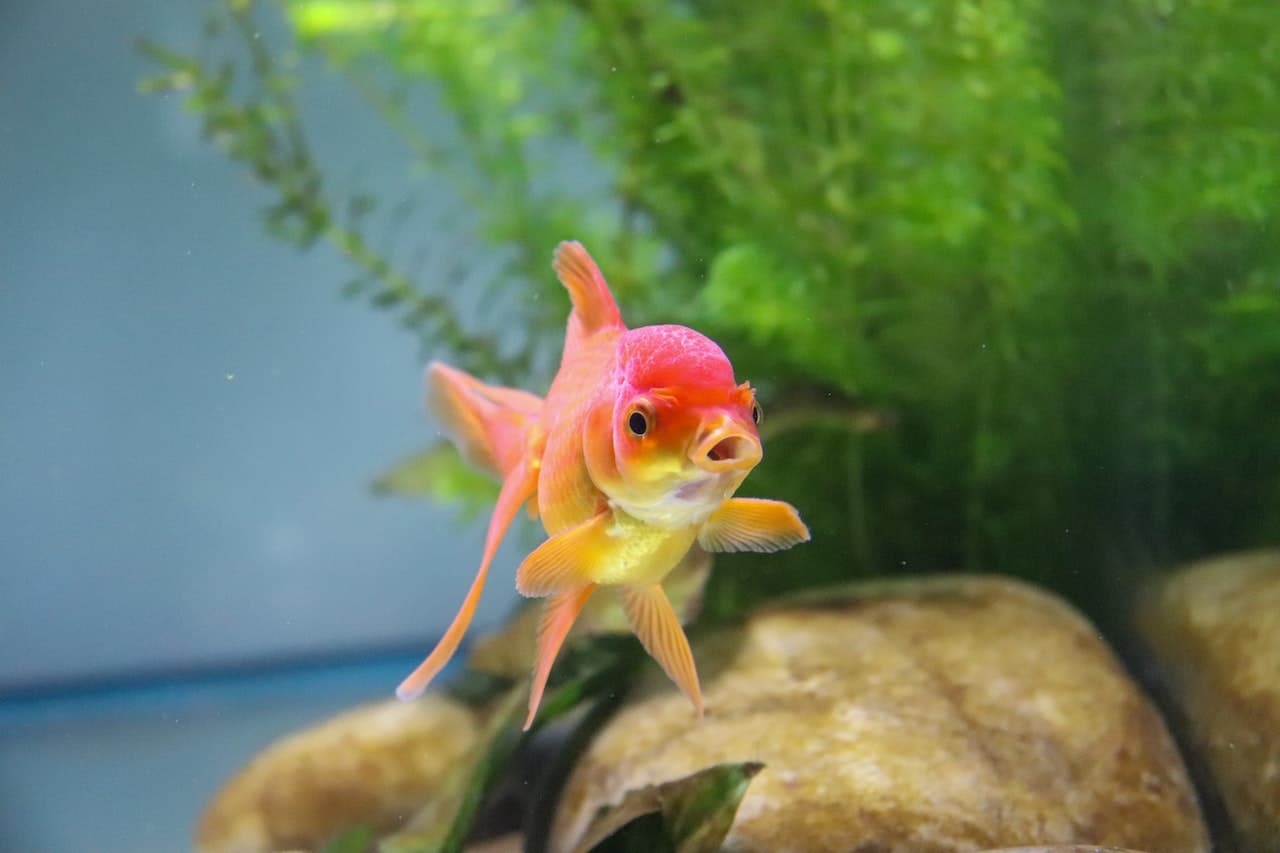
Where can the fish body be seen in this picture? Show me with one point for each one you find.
(630, 461)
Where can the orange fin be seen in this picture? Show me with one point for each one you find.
(558, 616)
(593, 305)
(753, 524)
(566, 561)
(659, 630)
(519, 485)
(489, 424)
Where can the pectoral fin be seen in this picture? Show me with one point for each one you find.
(517, 488)
(753, 524)
(557, 618)
(567, 561)
(659, 630)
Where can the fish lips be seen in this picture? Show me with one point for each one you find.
(726, 447)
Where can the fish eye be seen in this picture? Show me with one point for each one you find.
(757, 413)
(639, 422)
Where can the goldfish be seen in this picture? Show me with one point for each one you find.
(630, 461)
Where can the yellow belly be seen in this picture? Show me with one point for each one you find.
(642, 554)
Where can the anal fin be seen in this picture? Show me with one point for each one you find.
(753, 524)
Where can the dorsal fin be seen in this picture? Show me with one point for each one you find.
(593, 305)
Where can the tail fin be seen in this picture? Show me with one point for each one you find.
(521, 482)
(490, 425)
(593, 305)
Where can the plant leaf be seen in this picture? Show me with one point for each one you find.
(689, 815)
(439, 473)
(590, 670)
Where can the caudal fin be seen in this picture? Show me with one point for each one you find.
(520, 484)
(490, 425)
(493, 428)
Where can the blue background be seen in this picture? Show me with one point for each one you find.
(189, 420)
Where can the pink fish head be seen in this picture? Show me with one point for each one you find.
(675, 435)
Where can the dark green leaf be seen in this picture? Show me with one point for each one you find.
(592, 670)
(477, 688)
(689, 815)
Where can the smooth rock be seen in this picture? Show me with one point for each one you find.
(375, 765)
(947, 714)
(1214, 628)
(1062, 848)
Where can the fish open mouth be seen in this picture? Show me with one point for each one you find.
(725, 450)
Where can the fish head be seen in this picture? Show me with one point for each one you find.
(678, 434)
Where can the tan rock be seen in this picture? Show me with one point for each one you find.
(1062, 848)
(1215, 629)
(375, 765)
(936, 715)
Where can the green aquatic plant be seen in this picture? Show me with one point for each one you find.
(1039, 239)
(689, 815)
(1007, 273)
